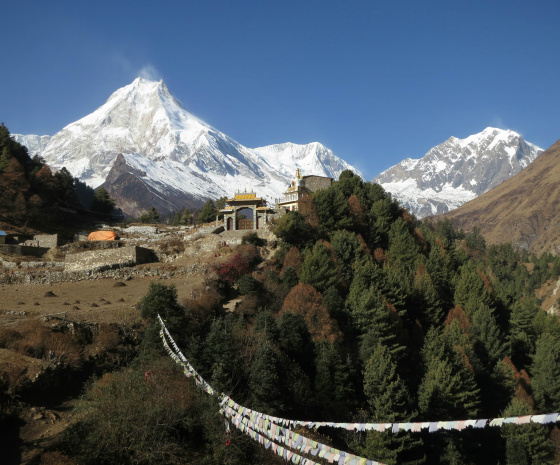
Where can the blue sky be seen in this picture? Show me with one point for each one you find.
(374, 81)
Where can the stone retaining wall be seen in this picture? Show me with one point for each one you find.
(108, 258)
(23, 250)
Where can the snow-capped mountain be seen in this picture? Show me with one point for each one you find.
(147, 150)
(35, 144)
(458, 170)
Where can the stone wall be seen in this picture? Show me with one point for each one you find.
(47, 240)
(108, 258)
(315, 183)
(80, 237)
(23, 250)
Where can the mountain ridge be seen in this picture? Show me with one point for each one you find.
(179, 155)
(458, 170)
(523, 210)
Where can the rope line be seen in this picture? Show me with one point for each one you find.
(257, 425)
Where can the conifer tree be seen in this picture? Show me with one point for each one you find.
(403, 251)
(426, 302)
(389, 401)
(441, 270)
(186, 217)
(448, 388)
(488, 341)
(381, 215)
(332, 209)
(102, 201)
(208, 212)
(546, 373)
(5, 159)
(347, 248)
(264, 380)
(150, 217)
(471, 292)
(293, 229)
(526, 444)
(319, 269)
(334, 392)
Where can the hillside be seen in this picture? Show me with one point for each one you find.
(524, 210)
(387, 338)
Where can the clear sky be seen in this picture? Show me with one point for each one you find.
(374, 81)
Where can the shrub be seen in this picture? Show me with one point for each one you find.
(253, 239)
(250, 253)
(233, 269)
(248, 285)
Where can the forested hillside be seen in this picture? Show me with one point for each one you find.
(363, 314)
(31, 195)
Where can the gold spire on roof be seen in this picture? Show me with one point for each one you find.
(298, 175)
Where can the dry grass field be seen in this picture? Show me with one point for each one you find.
(108, 303)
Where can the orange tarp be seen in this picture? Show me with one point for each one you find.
(102, 236)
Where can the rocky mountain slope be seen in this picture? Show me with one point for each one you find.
(524, 210)
(147, 150)
(458, 170)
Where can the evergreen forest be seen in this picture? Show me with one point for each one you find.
(364, 314)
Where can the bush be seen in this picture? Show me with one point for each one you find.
(247, 285)
(253, 239)
(250, 253)
(233, 269)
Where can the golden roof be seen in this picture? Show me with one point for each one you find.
(245, 196)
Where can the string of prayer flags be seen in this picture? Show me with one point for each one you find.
(267, 429)
(252, 421)
(413, 427)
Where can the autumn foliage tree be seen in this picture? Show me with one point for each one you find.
(231, 270)
(308, 302)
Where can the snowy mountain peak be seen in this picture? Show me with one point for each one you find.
(458, 170)
(148, 150)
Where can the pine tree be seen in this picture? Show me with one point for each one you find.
(186, 217)
(332, 209)
(526, 444)
(294, 339)
(150, 217)
(389, 401)
(441, 270)
(319, 269)
(334, 392)
(426, 303)
(403, 251)
(448, 388)
(102, 202)
(546, 373)
(488, 340)
(5, 159)
(293, 229)
(208, 212)
(347, 248)
(471, 292)
(264, 380)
